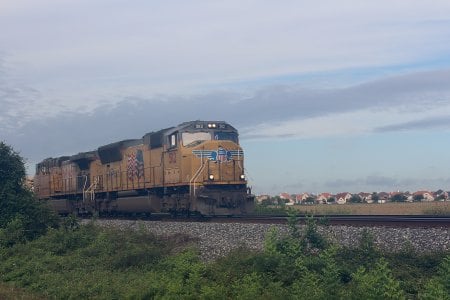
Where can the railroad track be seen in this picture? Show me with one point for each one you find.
(353, 220)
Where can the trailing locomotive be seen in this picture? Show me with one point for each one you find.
(195, 167)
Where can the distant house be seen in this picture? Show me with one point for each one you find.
(383, 197)
(440, 195)
(342, 198)
(366, 197)
(408, 196)
(423, 196)
(261, 198)
(323, 198)
(301, 198)
(398, 196)
(287, 198)
(29, 183)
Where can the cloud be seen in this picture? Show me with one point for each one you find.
(92, 50)
(380, 181)
(17, 100)
(280, 111)
(437, 122)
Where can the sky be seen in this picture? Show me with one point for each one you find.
(328, 96)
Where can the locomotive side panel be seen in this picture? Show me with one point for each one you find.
(156, 167)
(113, 173)
(70, 173)
(97, 176)
(56, 180)
(49, 177)
(171, 167)
(133, 166)
(42, 184)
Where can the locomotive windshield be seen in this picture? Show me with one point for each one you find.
(229, 136)
(195, 137)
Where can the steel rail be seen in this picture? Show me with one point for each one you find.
(355, 220)
(351, 220)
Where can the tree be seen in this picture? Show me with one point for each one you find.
(376, 283)
(398, 198)
(355, 199)
(375, 197)
(22, 217)
(310, 200)
(418, 197)
(12, 170)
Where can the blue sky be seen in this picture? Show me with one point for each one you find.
(328, 96)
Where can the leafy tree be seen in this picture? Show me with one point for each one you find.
(22, 217)
(440, 197)
(312, 238)
(433, 290)
(377, 283)
(355, 199)
(375, 197)
(266, 202)
(439, 286)
(398, 198)
(310, 200)
(418, 197)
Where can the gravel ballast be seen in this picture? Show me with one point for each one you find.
(217, 239)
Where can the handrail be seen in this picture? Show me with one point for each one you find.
(196, 175)
(239, 160)
(90, 189)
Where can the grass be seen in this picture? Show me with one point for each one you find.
(416, 208)
(90, 262)
(10, 292)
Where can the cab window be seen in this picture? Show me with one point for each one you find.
(230, 136)
(193, 137)
(172, 140)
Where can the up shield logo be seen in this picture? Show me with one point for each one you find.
(221, 155)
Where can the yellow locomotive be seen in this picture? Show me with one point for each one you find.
(195, 167)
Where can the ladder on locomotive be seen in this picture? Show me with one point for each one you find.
(89, 193)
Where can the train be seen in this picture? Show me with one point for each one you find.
(195, 168)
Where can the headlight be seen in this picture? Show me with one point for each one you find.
(211, 177)
(242, 177)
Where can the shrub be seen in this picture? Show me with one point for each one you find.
(22, 216)
(376, 283)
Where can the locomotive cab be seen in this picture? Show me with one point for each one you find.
(213, 170)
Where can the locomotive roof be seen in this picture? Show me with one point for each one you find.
(202, 125)
(153, 138)
(91, 155)
(111, 152)
(49, 162)
(121, 144)
(191, 125)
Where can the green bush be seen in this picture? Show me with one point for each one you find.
(86, 262)
(22, 217)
